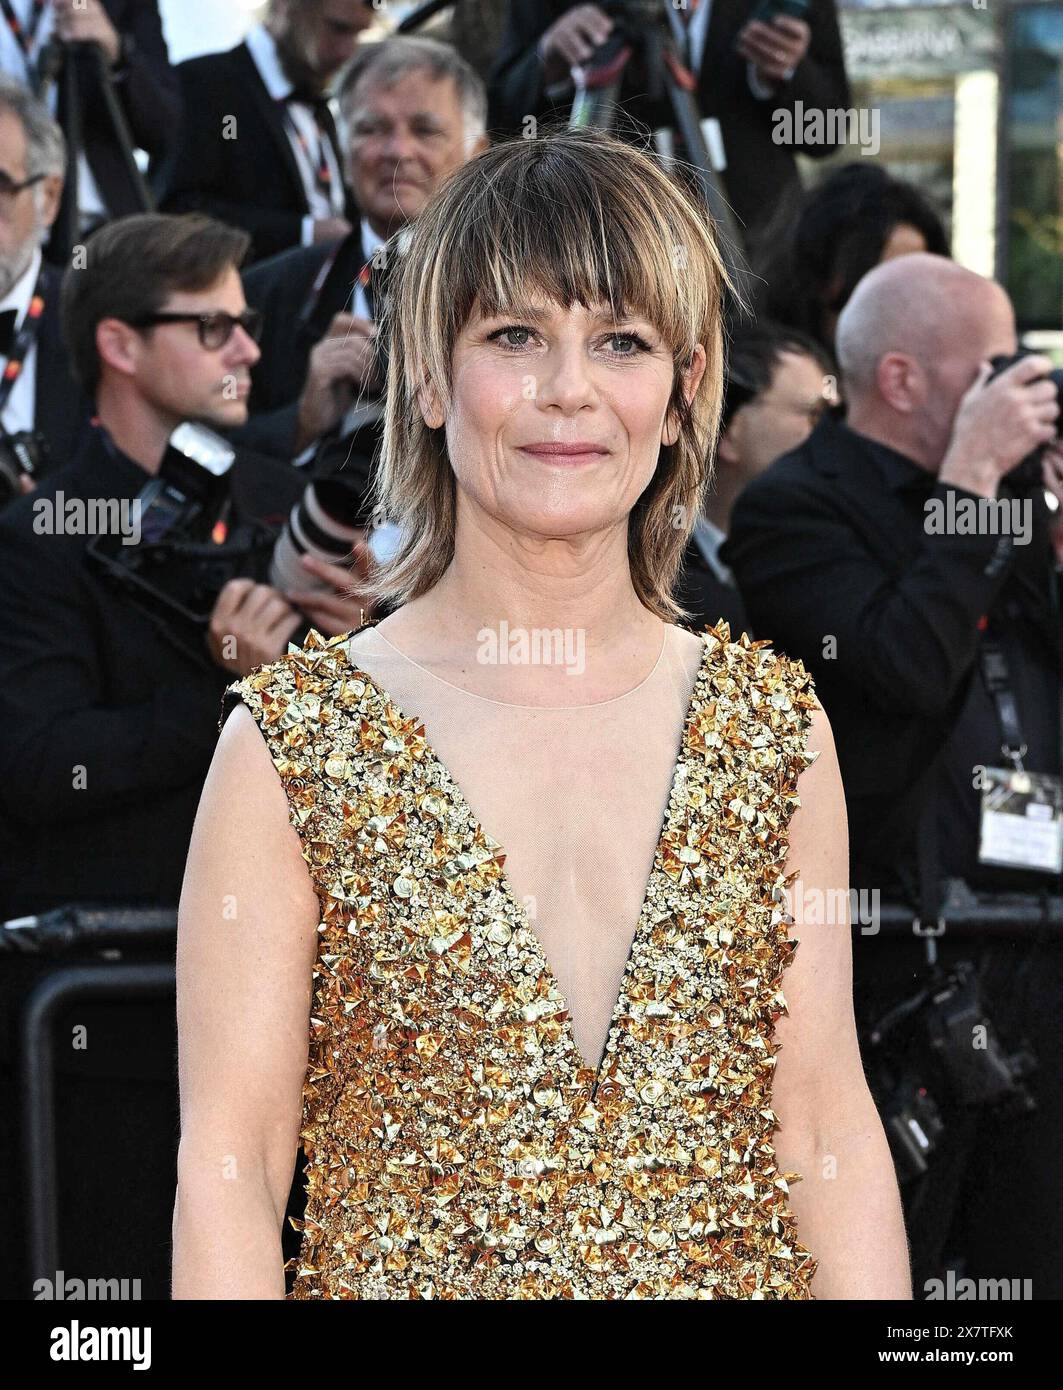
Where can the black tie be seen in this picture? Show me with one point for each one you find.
(317, 102)
(8, 319)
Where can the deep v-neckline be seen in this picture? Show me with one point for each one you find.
(474, 826)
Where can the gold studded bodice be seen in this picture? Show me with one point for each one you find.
(457, 1144)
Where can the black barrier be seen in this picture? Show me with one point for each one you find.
(969, 913)
(106, 981)
(86, 950)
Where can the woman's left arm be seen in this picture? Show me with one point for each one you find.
(847, 1205)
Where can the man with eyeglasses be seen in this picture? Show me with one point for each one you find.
(107, 722)
(41, 409)
(258, 145)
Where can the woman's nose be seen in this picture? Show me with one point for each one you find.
(565, 378)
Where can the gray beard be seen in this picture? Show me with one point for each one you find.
(15, 264)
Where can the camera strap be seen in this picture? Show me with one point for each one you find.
(24, 340)
(995, 675)
(25, 35)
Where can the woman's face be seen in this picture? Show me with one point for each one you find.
(528, 390)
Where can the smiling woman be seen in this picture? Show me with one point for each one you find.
(623, 243)
(510, 867)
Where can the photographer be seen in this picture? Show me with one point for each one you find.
(108, 711)
(745, 70)
(42, 411)
(129, 35)
(846, 557)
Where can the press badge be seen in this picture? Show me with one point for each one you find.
(1022, 820)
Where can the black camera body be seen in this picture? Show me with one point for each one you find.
(188, 546)
(925, 1066)
(1026, 475)
(22, 455)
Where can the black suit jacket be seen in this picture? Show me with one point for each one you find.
(61, 409)
(295, 320)
(709, 599)
(758, 170)
(87, 680)
(252, 180)
(150, 96)
(884, 615)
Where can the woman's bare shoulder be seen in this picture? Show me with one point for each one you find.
(243, 826)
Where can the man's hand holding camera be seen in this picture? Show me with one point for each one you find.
(775, 49)
(572, 39)
(341, 364)
(334, 613)
(251, 624)
(86, 21)
(999, 422)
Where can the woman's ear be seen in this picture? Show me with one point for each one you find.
(430, 405)
(690, 378)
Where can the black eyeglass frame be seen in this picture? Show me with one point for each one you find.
(251, 321)
(10, 189)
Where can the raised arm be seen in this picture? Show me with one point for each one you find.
(847, 1205)
(245, 951)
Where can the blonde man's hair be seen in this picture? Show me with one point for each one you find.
(572, 216)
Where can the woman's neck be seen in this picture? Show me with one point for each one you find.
(503, 585)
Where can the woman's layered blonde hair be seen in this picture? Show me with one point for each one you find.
(571, 216)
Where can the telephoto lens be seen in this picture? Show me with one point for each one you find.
(325, 522)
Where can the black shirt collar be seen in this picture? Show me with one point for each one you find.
(124, 475)
(899, 472)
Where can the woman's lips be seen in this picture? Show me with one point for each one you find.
(581, 452)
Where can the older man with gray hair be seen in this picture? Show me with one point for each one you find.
(40, 414)
(413, 110)
(908, 557)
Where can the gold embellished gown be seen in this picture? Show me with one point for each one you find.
(540, 1042)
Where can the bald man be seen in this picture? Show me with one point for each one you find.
(887, 552)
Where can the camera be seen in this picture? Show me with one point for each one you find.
(1026, 475)
(923, 1060)
(189, 546)
(22, 455)
(335, 507)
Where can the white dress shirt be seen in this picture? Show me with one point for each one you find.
(14, 63)
(20, 411)
(263, 49)
(709, 538)
(370, 242)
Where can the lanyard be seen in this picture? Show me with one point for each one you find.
(24, 36)
(328, 267)
(24, 341)
(995, 674)
(319, 162)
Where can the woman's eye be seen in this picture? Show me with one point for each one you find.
(640, 344)
(500, 333)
